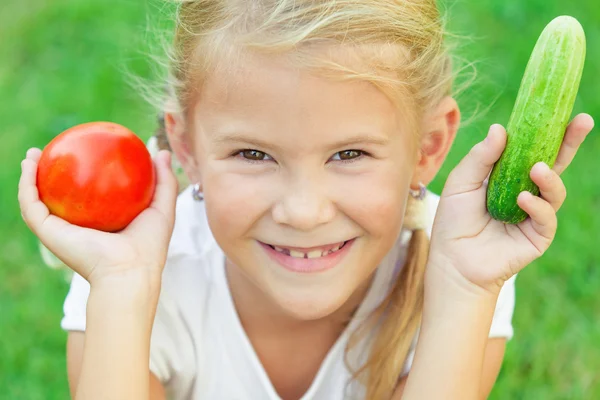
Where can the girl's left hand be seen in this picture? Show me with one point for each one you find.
(480, 251)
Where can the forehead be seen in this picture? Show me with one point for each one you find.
(268, 94)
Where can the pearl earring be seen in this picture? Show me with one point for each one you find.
(197, 192)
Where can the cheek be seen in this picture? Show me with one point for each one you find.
(234, 202)
(377, 203)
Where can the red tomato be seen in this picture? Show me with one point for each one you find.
(97, 175)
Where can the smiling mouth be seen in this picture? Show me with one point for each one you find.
(310, 254)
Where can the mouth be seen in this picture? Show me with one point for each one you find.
(308, 260)
(319, 252)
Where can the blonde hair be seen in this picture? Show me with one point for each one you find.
(400, 44)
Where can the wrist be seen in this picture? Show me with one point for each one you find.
(442, 276)
(450, 299)
(134, 293)
(126, 281)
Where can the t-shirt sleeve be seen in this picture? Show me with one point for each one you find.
(161, 347)
(172, 349)
(75, 304)
(502, 323)
(171, 346)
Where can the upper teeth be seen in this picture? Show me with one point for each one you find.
(310, 254)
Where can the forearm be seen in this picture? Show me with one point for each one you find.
(454, 333)
(117, 342)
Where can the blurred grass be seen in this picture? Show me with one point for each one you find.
(62, 64)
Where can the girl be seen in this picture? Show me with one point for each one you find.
(299, 265)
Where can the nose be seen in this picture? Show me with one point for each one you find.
(304, 205)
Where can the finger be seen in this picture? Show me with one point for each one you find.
(34, 154)
(552, 188)
(475, 167)
(159, 218)
(165, 195)
(576, 133)
(33, 211)
(540, 228)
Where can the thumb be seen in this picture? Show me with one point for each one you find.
(476, 166)
(156, 222)
(165, 194)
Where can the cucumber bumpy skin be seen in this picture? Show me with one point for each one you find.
(540, 116)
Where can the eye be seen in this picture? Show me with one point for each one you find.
(349, 155)
(253, 156)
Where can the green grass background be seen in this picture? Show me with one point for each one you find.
(63, 63)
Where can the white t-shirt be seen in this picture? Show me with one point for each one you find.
(199, 349)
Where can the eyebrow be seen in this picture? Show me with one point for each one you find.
(238, 137)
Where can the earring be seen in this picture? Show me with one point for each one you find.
(415, 213)
(420, 193)
(197, 192)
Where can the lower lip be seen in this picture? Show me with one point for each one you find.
(308, 265)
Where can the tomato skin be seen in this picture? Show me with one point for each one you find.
(97, 175)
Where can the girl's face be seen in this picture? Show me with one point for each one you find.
(296, 161)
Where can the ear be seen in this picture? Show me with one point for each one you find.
(439, 129)
(181, 145)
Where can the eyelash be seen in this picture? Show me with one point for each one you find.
(241, 152)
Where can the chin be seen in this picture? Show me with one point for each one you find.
(310, 305)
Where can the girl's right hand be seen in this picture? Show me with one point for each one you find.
(139, 251)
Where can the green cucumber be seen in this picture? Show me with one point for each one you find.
(540, 116)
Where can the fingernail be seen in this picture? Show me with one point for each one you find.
(545, 167)
(593, 123)
(489, 135)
